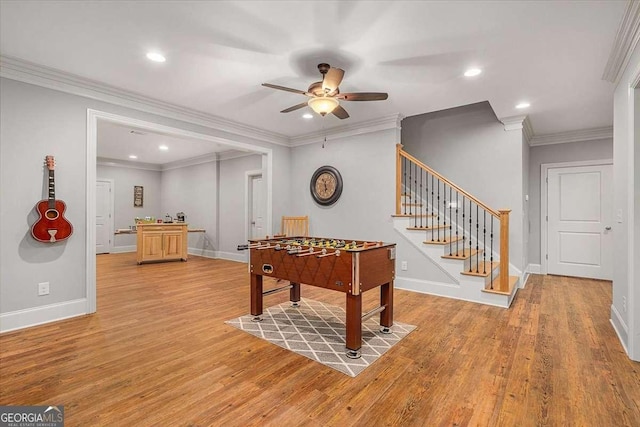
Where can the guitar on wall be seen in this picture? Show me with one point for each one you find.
(52, 226)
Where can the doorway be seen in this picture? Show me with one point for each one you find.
(93, 116)
(577, 219)
(104, 216)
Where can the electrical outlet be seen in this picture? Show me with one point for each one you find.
(43, 288)
(403, 265)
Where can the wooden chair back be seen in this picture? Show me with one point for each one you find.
(295, 226)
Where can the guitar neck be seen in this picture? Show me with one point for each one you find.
(52, 190)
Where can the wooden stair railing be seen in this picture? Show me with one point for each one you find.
(417, 179)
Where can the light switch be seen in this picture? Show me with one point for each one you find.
(619, 216)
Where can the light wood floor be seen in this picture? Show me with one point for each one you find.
(157, 353)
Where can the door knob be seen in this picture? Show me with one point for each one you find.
(608, 228)
(254, 223)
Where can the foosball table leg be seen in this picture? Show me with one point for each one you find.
(294, 294)
(354, 325)
(256, 297)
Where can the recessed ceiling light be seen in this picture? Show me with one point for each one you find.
(163, 147)
(523, 105)
(156, 57)
(133, 156)
(472, 72)
(307, 116)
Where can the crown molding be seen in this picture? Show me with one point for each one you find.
(572, 136)
(198, 160)
(513, 122)
(104, 161)
(383, 123)
(234, 154)
(625, 42)
(28, 72)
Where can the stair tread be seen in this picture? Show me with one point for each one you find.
(444, 241)
(412, 215)
(512, 283)
(429, 228)
(481, 269)
(463, 254)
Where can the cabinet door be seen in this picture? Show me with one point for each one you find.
(152, 246)
(173, 245)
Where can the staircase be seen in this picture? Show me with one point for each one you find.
(465, 238)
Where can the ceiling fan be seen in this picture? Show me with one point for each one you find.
(325, 95)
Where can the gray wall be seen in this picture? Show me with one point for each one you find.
(37, 121)
(556, 153)
(232, 199)
(193, 190)
(363, 212)
(124, 212)
(469, 146)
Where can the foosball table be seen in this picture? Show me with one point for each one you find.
(351, 267)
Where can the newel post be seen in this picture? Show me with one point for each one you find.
(504, 250)
(398, 177)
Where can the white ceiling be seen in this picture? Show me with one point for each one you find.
(549, 53)
(116, 141)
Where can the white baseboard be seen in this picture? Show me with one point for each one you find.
(619, 325)
(463, 292)
(206, 253)
(123, 249)
(534, 268)
(232, 256)
(44, 314)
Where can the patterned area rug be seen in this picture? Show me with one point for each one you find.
(317, 330)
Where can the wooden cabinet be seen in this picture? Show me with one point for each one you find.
(161, 242)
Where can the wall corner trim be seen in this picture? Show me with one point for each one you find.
(513, 122)
(625, 42)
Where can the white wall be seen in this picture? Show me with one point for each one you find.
(469, 146)
(626, 262)
(556, 153)
(124, 212)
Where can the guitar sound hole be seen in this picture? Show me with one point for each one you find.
(51, 214)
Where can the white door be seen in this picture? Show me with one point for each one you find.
(580, 204)
(104, 207)
(258, 208)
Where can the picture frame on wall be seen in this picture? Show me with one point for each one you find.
(138, 196)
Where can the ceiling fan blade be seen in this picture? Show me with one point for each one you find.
(288, 89)
(332, 79)
(294, 108)
(363, 96)
(340, 112)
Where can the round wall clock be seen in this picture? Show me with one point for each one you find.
(326, 185)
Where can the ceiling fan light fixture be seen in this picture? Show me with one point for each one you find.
(323, 105)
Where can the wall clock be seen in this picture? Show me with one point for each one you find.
(326, 185)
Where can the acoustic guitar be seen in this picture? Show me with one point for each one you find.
(52, 226)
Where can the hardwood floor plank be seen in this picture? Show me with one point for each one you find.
(158, 352)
